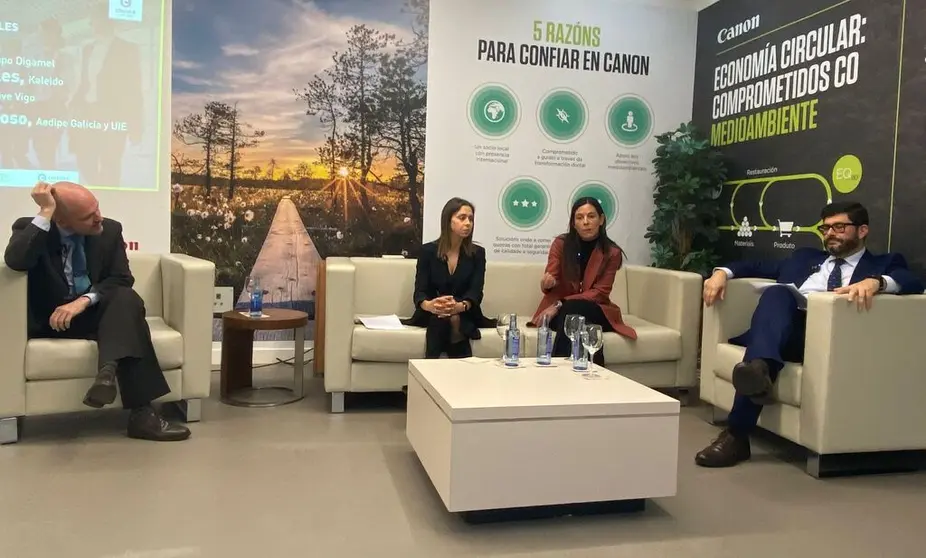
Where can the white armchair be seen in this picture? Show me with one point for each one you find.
(860, 388)
(43, 376)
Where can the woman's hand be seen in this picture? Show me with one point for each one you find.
(442, 306)
(548, 282)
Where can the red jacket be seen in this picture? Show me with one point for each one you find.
(596, 285)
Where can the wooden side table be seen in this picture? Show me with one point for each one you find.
(237, 358)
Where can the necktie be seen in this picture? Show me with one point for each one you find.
(835, 280)
(79, 265)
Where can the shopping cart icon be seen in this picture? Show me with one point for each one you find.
(785, 227)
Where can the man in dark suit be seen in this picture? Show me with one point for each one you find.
(80, 287)
(776, 333)
(109, 89)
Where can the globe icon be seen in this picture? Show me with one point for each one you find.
(494, 111)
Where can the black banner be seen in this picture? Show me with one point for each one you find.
(815, 101)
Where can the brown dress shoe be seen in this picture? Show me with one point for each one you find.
(752, 378)
(726, 451)
(146, 424)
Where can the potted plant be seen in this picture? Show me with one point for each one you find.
(690, 175)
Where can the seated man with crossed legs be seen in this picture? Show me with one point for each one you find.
(776, 333)
(80, 287)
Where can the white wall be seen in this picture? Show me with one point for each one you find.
(701, 4)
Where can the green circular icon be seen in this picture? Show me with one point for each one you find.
(563, 115)
(493, 111)
(630, 121)
(524, 203)
(847, 174)
(601, 192)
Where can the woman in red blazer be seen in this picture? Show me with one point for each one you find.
(579, 276)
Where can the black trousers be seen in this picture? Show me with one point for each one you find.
(776, 335)
(593, 313)
(438, 340)
(118, 326)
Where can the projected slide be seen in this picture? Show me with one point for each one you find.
(80, 92)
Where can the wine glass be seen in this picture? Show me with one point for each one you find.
(572, 325)
(501, 325)
(592, 340)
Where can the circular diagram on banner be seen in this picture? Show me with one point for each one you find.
(847, 174)
(524, 203)
(601, 192)
(562, 115)
(630, 120)
(494, 111)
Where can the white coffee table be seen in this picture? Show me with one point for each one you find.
(496, 438)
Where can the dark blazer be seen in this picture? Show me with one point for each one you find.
(119, 85)
(39, 253)
(596, 285)
(433, 279)
(804, 262)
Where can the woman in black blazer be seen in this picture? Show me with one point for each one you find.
(448, 285)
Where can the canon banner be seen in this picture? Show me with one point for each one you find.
(814, 101)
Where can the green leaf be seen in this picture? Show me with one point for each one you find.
(689, 179)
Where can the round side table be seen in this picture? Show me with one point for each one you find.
(237, 358)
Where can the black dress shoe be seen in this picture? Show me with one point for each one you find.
(726, 451)
(103, 390)
(146, 424)
(752, 378)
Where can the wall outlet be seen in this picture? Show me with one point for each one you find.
(223, 300)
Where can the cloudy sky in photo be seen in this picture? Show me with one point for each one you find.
(256, 52)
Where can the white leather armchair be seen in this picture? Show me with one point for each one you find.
(43, 376)
(662, 305)
(860, 388)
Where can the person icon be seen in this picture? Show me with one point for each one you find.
(629, 126)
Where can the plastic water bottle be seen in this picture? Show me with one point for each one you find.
(513, 342)
(256, 307)
(579, 354)
(544, 342)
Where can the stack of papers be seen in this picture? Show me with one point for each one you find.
(390, 322)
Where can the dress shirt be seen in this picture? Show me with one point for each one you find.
(816, 283)
(66, 255)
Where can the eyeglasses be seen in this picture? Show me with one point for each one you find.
(836, 227)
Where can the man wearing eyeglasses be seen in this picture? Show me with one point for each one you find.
(777, 330)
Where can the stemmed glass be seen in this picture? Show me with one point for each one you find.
(572, 325)
(592, 340)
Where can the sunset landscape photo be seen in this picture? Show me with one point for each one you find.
(300, 142)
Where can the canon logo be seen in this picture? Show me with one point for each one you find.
(730, 33)
(131, 246)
